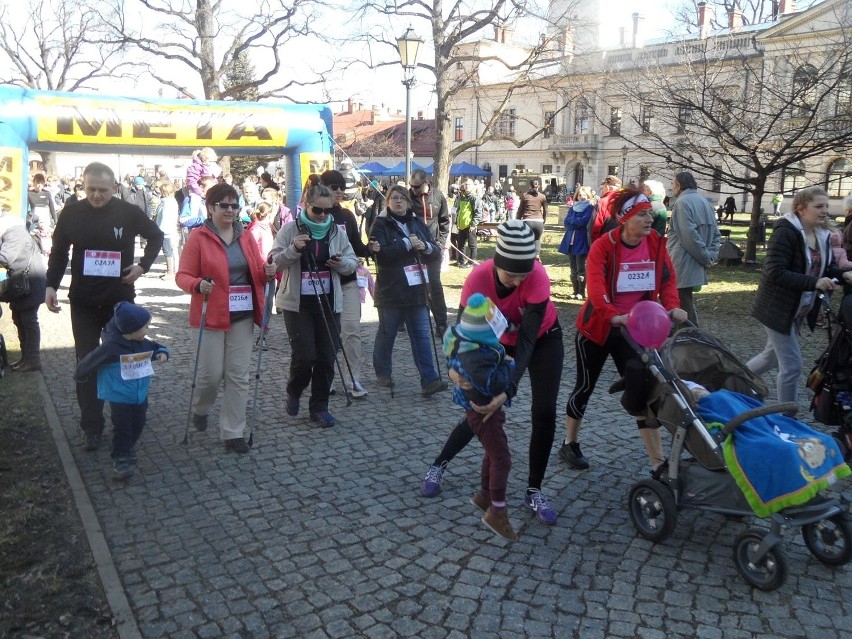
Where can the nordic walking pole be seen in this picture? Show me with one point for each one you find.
(264, 324)
(195, 371)
(312, 264)
(428, 310)
(314, 276)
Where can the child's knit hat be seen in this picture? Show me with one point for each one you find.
(474, 320)
(130, 317)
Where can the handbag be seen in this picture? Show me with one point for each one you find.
(16, 285)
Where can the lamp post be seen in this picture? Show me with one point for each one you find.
(408, 44)
(624, 151)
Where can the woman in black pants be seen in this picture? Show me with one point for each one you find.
(520, 288)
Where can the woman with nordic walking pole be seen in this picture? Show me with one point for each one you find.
(313, 253)
(221, 263)
(402, 243)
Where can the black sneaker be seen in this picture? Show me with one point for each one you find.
(237, 444)
(573, 456)
(200, 422)
(93, 442)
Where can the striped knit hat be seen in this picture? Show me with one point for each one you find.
(515, 247)
(474, 324)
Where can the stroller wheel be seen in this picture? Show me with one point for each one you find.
(652, 510)
(830, 540)
(767, 572)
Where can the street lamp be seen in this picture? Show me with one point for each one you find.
(408, 44)
(624, 151)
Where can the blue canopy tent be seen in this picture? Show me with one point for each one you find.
(398, 169)
(372, 168)
(461, 168)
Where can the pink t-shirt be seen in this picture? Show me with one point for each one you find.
(535, 289)
(636, 278)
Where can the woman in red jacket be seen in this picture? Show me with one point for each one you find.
(222, 262)
(625, 266)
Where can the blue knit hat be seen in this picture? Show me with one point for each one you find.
(130, 317)
(474, 320)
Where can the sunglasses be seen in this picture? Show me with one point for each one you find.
(226, 206)
(318, 210)
(416, 187)
(337, 187)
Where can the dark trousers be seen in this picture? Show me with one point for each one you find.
(465, 237)
(128, 420)
(590, 360)
(578, 272)
(312, 353)
(436, 293)
(87, 322)
(497, 461)
(687, 303)
(29, 333)
(545, 369)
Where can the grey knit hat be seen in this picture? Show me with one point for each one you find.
(515, 247)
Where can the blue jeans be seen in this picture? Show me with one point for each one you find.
(128, 420)
(416, 319)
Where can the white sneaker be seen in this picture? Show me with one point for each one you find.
(357, 390)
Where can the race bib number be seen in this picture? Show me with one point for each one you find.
(102, 263)
(136, 365)
(498, 322)
(362, 281)
(239, 298)
(416, 275)
(635, 277)
(319, 283)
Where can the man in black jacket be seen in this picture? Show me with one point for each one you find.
(102, 230)
(430, 205)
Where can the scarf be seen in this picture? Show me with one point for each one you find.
(317, 230)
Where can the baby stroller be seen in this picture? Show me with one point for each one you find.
(831, 378)
(704, 482)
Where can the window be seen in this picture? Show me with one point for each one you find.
(506, 123)
(805, 81)
(582, 117)
(615, 122)
(612, 169)
(844, 92)
(647, 119)
(549, 117)
(547, 168)
(684, 118)
(502, 170)
(459, 128)
(520, 167)
(838, 178)
(793, 178)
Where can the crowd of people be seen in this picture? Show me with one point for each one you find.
(227, 247)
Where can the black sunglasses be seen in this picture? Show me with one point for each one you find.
(318, 210)
(337, 187)
(227, 205)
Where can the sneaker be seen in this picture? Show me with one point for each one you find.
(481, 501)
(571, 454)
(357, 390)
(292, 405)
(440, 329)
(323, 418)
(93, 442)
(497, 521)
(431, 486)
(384, 382)
(122, 469)
(133, 456)
(434, 387)
(237, 444)
(200, 422)
(537, 502)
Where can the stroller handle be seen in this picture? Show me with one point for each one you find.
(785, 407)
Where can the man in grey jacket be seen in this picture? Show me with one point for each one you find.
(693, 240)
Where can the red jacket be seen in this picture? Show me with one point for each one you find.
(603, 214)
(204, 256)
(602, 268)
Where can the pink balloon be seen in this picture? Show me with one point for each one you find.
(649, 324)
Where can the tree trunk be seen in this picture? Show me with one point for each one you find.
(48, 160)
(441, 170)
(755, 219)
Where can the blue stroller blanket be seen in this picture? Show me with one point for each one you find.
(777, 461)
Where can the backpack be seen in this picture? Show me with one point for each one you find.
(189, 218)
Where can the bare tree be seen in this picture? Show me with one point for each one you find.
(55, 45)
(750, 12)
(455, 33)
(736, 112)
(193, 45)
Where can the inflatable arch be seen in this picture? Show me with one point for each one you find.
(71, 122)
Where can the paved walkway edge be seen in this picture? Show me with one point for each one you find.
(125, 622)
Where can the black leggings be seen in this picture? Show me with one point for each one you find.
(590, 360)
(545, 369)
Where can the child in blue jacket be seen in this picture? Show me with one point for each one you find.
(123, 365)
